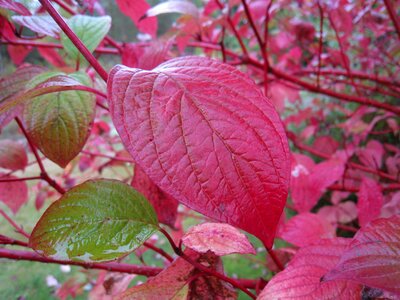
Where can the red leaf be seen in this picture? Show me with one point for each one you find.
(326, 144)
(12, 155)
(309, 181)
(18, 53)
(372, 154)
(136, 56)
(135, 9)
(222, 239)
(13, 193)
(204, 133)
(166, 284)
(370, 201)
(52, 57)
(301, 278)
(373, 256)
(165, 206)
(279, 93)
(344, 212)
(305, 229)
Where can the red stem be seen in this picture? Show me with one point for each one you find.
(159, 251)
(393, 15)
(19, 179)
(13, 224)
(202, 268)
(74, 39)
(43, 173)
(233, 28)
(275, 259)
(5, 240)
(321, 32)
(72, 12)
(107, 156)
(111, 266)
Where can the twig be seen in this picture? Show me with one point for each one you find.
(74, 39)
(202, 268)
(13, 224)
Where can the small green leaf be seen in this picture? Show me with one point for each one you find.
(90, 30)
(99, 220)
(59, 123)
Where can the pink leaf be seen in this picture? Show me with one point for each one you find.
(373, 256)
(344, 212)
(173, 6)
(222, 239)
(372, 154)
(301, 278)
(13, 193)
(309, 181)
(135, 9)
(204, 133)
(305, 229)
(164, 205)
(370, 201)
(44, 25)
(136, 56)
(12, 155)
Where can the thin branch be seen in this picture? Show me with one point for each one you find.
(202, 268)
(111, 266)
(13, 224)
(321, 33)
(19, 179)
(393, 15)
(159, 251)
(275, 259)
(43, 173)
(74, 39)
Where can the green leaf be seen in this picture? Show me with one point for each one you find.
(90, 30)
(99, 220)
(59, 123)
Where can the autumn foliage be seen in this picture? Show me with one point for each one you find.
(262, 130)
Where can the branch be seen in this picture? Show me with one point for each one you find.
(19, 179)
(202, 268)
(43, 173)
(111, 266)
(13, 224)
(74, 39)
(393, 15)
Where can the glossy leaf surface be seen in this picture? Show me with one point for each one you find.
(173, 6)
(373, 256)
(98, 220)
(59, 123)
(222, 239)
(204, 133)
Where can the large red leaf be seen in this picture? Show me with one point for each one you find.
(370, 201)
(165, 206)
(373, 256)
(301, 278)
(204, 133)
(135, 9)
(12, 155)
(13, 193)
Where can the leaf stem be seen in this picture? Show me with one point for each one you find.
(275, 259)
(74, 39)
(19, 179)
(13, 224)
(202, 268)
(43, 173)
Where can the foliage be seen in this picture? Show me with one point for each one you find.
(277, 118)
